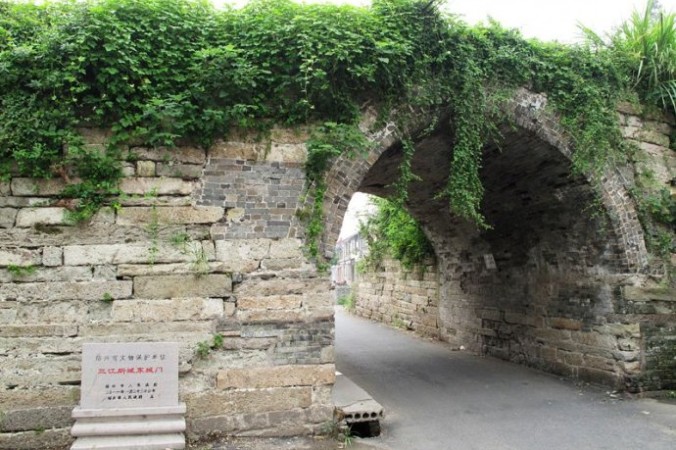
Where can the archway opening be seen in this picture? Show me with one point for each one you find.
(538, 286)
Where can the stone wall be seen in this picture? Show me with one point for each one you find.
(204, 243)
(208, 243)
(403, 298)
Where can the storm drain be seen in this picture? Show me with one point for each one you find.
(365, 429)
(357, 408)
(362, 411)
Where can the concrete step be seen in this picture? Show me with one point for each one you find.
(354, 403)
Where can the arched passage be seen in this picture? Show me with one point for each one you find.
(540, 286)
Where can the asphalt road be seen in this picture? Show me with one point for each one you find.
(437, 399)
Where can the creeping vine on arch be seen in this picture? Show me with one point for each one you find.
(157, 71)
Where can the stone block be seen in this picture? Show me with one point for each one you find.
(31, 440)
(52, 256)
(133, 253)
(658, 126)
(29, 217)
(237, 343)
(145, 168)
(244, 248)
(95, 136)
(490, 314)
(643, 294)
(184, 171)
(283, 316)
(39, 397)
(215, 426)
(327, 355)
(552, 336)
(24, 347)
(94, 290)
(601, 377)
(263, 288)
(58, 312)
(318, 300)
(170, 330)
(7, 315)
(592, 339)
(269, 316)
(128, 170)
(519, 319)
(38, 330)
(271, 302)
(170, 215)
(156, 186)
(283, 264)
(570, 358)
(296, 135)
(18, 257)
(37, 187)
(287, 153)
(562, 323)
(48, 275)
(190, 155)
(619, 329)
(286, 248)
(653, 150)
(167, 310)
(206, 404)
(104, 273)
(247, 151)
(177, 286)
(36, 419)
(628, 344)
(36, 371)
(652, 136)
(133, 270)
(242, 255)
(5, 189)
(7, 217)
(161, 200)
(276, 376)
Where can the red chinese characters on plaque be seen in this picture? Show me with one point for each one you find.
(129, 375)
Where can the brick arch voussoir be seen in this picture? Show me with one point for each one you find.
(528, 111)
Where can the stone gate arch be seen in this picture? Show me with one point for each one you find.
(528, 111)
(554, 299)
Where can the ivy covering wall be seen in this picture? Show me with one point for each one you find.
(156, 71)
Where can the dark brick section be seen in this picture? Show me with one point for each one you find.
(285, 342)
(303, 343)
(659, 349)
(262, 198)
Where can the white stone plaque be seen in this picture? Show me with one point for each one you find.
(490, 261)
(129, 375)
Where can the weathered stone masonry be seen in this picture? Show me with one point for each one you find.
(572, 292)
(204, 243)
(208, 242)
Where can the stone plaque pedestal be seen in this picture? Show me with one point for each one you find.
(129, 398)
(129, 428)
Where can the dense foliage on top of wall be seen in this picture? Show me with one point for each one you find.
(159, 70)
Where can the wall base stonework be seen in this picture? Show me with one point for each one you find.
(406, 299)
(205, 244)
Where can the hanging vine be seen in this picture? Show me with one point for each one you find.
(160, 70)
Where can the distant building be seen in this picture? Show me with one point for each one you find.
(348, 252)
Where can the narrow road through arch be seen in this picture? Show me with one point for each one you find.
(437, 399)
